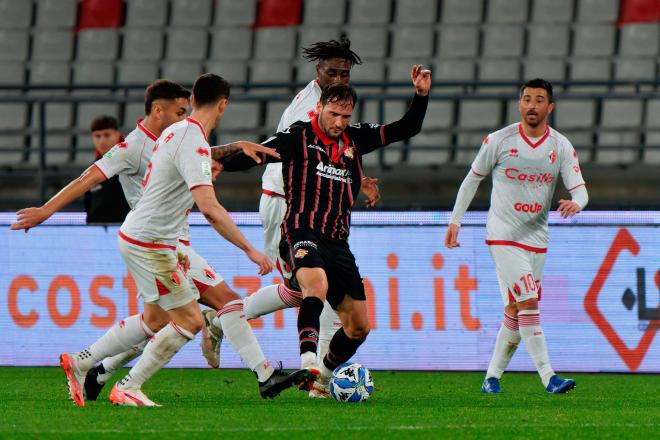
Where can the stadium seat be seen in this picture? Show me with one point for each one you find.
(503, 40)
(457, 41)
(369, 72)
(634, 69)
(571, 114)
(369, 42)
(462, 11)
(52, 44)
(416, 12)
(12, 149)
(146, 13)
(640, 39)
(242, 115)
(13, 115)
(186, 44)
(622, 117)
(583, 142)
(305, 71)
(233, 13)
(226, 136)
(308, 35)
(606, 11)
(13, 45)
(477, 118)
(133, 111)
(229, 43)
(270, 71)
(12, 74)
(275, 43)
(412, 41)
(590, 69)
(508, 11)
(98, 45)
(49, 73)
(324, 12)
(236, 72)
(499, 69)
(512, 113)
(652, 123)
(56, 13)
(59, 116)
(439, 115)
(369, 11)
(552, 11)
(93, 72)
(457, 69)
(274, 110)
(15, 14)
(592, 40)
(548, 40)
(137, 72)
(429, 149)
(191, 13)
(183, 72)
(398, 70)
(142, 44)
(95, 14)
(551, 69)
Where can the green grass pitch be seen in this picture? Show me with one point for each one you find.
(210, 404)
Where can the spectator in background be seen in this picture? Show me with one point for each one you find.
(105, 203)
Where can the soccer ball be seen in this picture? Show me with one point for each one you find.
(351, 383)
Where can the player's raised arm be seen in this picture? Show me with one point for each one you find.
(30, 217)
(219, 218)
(278, 145)
(255, 151)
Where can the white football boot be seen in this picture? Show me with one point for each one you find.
(211, 339)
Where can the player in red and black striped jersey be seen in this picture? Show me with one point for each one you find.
(322, 171)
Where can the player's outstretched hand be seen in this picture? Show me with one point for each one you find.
(256, 151)
(370, 189)
(265, 266)
(421, 79)
(568, 208)
(29, 218)
(451, 237)
(216, 168)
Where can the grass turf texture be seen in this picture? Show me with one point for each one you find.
(207, 403)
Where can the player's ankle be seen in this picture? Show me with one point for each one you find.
(308, 360)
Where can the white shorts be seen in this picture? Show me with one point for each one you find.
(159, 277)
(518, 272)
(201, 275)
(272, 210)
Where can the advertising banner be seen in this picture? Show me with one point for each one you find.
(63, 284)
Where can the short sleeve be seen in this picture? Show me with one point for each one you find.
(571, 173)
(486, 158)
(368, 137)
(116, 161)
(194, 164)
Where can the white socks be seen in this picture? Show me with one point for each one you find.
(231, 319)
(114, 363)
(505, 346)
(119, 338)
(532, 333)
(270, 299)
(330, 323)
(165, 344)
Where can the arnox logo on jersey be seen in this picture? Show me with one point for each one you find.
(330, 172)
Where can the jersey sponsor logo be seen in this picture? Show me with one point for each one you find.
(552, 157)
(513, 152)
(532, 208)
(330, 172)
(168, 138)
(516, 174)
(204, 152)
(301, 253)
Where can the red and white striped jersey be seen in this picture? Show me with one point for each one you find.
(525, 173)
(302, 108)
(129, 159)
(181, 161)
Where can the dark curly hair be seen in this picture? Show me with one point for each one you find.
(324, 50)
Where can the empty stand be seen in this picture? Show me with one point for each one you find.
(323, 12)
(55, 13)
(228, 43)
(186, 44)
(191, 13)
(15, 14)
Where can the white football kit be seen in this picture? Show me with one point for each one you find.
(272, 205)
(129, 160)
(149, 236)
(524, 173)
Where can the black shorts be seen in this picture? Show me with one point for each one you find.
(306, 248)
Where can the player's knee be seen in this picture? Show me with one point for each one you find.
(195, 323)
(511, 310)
(155, 322)
(530, 304)
(317, 288)
(357, 332)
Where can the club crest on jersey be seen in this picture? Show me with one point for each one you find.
(209, 274)
(552, 157)
(349, 152)
(512, 152)
(301, 253)
(174, 277)
(203, 152)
